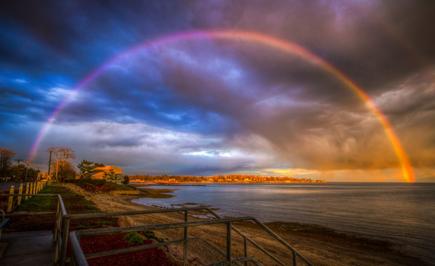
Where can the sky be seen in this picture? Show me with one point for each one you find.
(209, 106)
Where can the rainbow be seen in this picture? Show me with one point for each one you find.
(284, 46)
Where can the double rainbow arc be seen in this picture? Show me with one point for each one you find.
(282, 45)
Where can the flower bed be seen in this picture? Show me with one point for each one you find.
(152, 256)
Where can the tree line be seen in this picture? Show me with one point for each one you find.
(233, 178)
(15, 169)
(60, 167)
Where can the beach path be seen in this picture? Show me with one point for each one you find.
(28, 248)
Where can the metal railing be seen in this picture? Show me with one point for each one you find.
(79, 256)
(61, 231)
(61, 226)
(3, 222)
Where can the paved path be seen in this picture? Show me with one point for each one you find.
(28, 249)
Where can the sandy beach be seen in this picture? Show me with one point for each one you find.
(322, 246)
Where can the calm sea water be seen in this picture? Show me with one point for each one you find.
(402, 213)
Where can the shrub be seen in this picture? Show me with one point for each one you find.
(99, 185)
(134, 238)
(126, 180)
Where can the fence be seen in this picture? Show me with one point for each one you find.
(17, 194)
(60, 231)
(62, 234)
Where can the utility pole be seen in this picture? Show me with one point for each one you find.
(49, 160)
(26, 163)
(57, 169)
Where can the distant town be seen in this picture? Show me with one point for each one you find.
(228, 179)
(62, 169)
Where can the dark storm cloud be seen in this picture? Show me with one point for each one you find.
(64, 24)
(20, 104)
(410, 103)
(227, 90)
(372, 41)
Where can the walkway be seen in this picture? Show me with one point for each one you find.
(32, 248)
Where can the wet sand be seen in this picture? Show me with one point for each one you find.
(322, 246)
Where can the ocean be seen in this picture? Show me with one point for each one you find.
(398, 212)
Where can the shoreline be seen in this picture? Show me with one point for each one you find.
(322, 245)
(221, 183)
(316, 231)
(156, 193)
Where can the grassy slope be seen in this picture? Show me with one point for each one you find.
(74, 203)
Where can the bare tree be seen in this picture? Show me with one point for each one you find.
(26, 163)
(61, 156)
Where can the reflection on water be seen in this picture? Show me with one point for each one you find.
(403, 213)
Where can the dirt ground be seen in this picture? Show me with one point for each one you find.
(320, 245)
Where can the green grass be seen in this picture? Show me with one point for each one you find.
(37, 204)
(73, 202)
(134, 238)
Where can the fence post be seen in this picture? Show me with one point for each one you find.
(27, 190)
(34, 188)
(11, 198)
(229, 243)
(20, 194)
(294, 258)
(185, 246)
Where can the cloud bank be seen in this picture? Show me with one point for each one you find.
(210, 106)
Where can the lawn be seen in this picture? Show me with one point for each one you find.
(73, 202)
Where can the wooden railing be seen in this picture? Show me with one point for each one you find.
(17, 193)
(61, 226)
